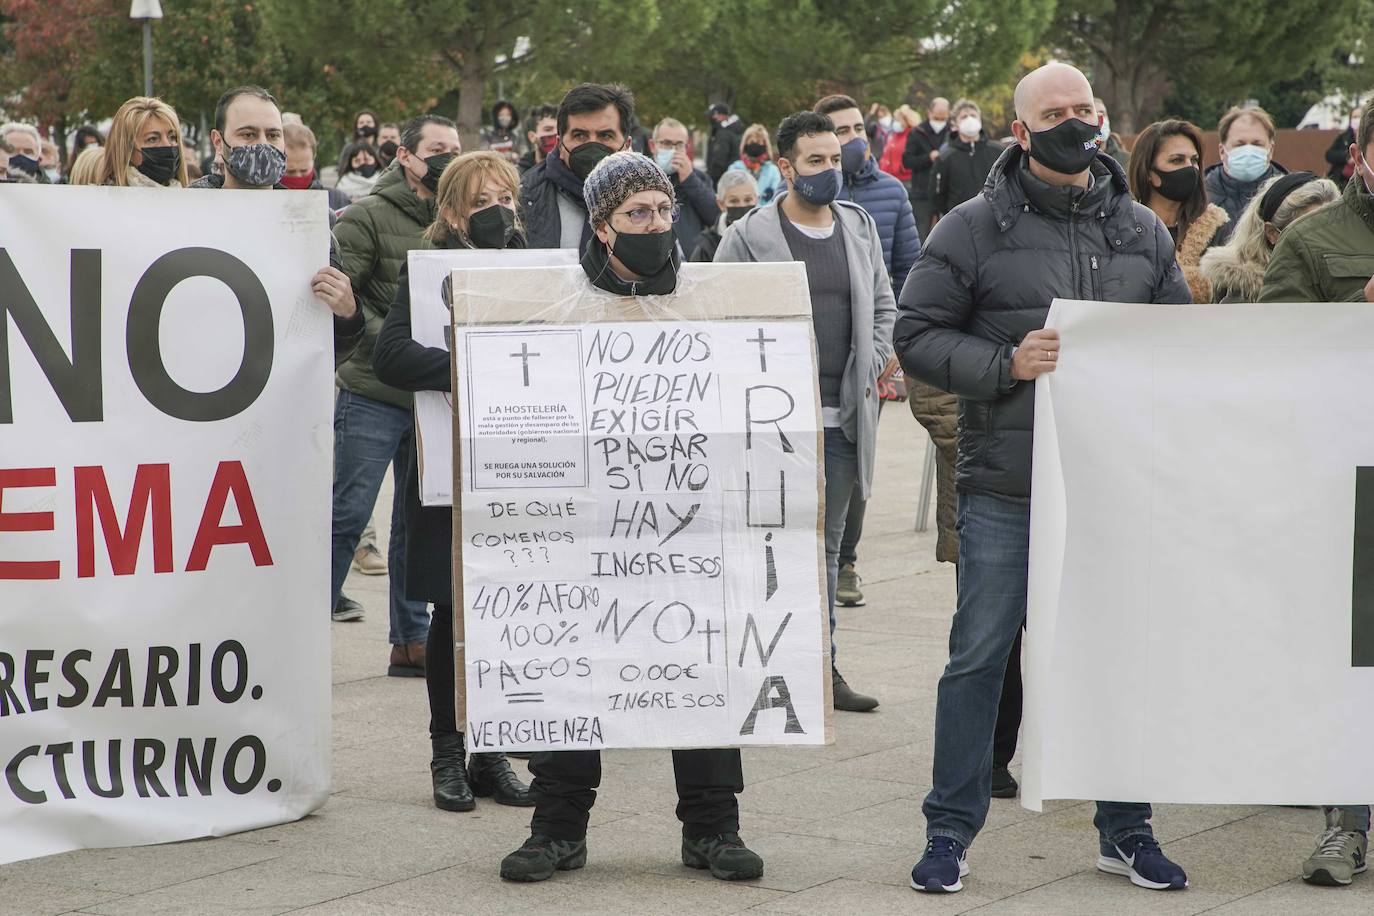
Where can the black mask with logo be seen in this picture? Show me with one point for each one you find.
(645, 253)
(1067, 148)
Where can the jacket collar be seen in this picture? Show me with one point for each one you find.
(392, 188)
(596, 263)
(866, 174)
(1245, 189)
(1011, 190)
(1358, 199)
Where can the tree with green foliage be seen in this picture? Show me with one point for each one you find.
(1136, 50)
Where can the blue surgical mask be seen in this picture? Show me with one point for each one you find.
(852, 155)
(1247, 163)
(818, 189)
(664, 158)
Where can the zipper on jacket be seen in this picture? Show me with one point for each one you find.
(1097, 278)
(1074, 272)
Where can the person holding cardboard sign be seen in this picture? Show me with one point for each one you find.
(633, 252)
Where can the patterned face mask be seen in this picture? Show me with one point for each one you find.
(258, 165)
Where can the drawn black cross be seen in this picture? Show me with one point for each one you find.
(524, 357)
(761, 340)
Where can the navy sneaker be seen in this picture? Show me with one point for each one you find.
(1140, 859)
(941, 868)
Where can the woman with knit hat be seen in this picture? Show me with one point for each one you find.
(633, 252)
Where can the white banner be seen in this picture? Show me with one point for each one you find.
(1198, 629)
(429, 325)
(641, 525)
(165, 454)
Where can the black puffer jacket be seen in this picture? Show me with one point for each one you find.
(986, 278)
(961, 170)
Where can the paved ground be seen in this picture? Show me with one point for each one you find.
(839, 827)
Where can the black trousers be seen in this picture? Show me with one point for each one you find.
(564, 789)
(1008, 708)
(439, 672)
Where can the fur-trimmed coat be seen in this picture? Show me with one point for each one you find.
(1194, 244)
(1232, 279)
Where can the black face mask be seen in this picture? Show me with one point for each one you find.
(1066, 148)
(366, 131)
(735, 213)
(160, 163)
(644, 253)
(367, 171)
(492, 227)
(25, 164)
(387, 150)
(755, 149)
(437, 163)
(1178, 185)
(583, 159)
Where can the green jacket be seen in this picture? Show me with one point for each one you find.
(375, 234)
(1326, 256)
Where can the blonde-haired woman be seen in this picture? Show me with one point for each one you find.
(1236, 269)
(143, 149)
(756, 157)
(86, 169)
(475, 208)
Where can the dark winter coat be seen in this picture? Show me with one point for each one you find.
(960, 171)
(1232, 195)
(539, 209)
(724, 148)
(1338, 157)
(920, 143)
(986, 279)
(887, 201)
(707, 244)
(697, 207)
(375, 234)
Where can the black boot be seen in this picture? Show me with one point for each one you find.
(541, 856)
(491, 775)
(451, 789)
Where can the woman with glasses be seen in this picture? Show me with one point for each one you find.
(475, 208)
(634, 252)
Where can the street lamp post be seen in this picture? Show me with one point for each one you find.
(146, 11)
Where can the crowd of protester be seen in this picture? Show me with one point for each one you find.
(931, 247)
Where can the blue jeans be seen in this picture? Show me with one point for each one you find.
(369, 435)
(1359, 813)
(841, 486)
(994, 551)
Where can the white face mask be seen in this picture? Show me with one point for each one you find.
(1106, 130)
(938, 126)
(886, 122)
(970, 126)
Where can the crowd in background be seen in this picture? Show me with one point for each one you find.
(925, 215)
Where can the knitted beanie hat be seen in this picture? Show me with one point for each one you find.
(618, 176)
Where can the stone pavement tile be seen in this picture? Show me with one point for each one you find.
(601, 887)
(893, 652)
(817, 793)
(1293, 897)
(264, 888)
(794, 862)
(357, 656)
(134, 869)
(381, 707)
(907, 763)
(22, 897)
(761, 763)
(394, 769)
(1172, 822)
(892, 823)
(846, 896)
(390, 841)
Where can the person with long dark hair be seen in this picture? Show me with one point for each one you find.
(1166, 176)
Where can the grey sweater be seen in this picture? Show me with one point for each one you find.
(827, 275)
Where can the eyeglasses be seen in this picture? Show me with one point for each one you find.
(678, 146)
(641, 217)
